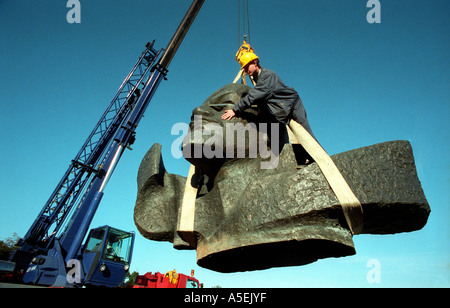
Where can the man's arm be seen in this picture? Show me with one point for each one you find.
(261, 92)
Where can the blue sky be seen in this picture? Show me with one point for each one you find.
(361, 84)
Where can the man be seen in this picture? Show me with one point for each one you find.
(272, 96)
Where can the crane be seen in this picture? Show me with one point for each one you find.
(51, 252)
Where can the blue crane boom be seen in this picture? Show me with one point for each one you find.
(55, 238)
(86, 163)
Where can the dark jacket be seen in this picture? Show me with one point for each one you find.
(271, 95)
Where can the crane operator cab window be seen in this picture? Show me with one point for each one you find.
(116, 244)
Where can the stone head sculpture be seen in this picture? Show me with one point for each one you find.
(248, 217)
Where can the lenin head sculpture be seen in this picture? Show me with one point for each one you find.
(254, 209)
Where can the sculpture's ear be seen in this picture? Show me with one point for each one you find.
(158, 200)
(151, 167)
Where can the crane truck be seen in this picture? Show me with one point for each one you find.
(52, 252)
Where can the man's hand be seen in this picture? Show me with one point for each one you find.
(228, 115)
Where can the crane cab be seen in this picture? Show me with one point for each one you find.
(103, 261)
(106, 256)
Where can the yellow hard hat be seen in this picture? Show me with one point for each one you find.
(246, 58)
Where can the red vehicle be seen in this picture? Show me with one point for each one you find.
(171, 280)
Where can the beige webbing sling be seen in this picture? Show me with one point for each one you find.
(350, 204)
(297, 135)
(185, 226)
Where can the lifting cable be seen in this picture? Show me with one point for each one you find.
(243, 13)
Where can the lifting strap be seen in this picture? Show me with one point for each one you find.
(185, 228)
(242, 74)
(350, 204)
(297, 134)
(239, 75)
